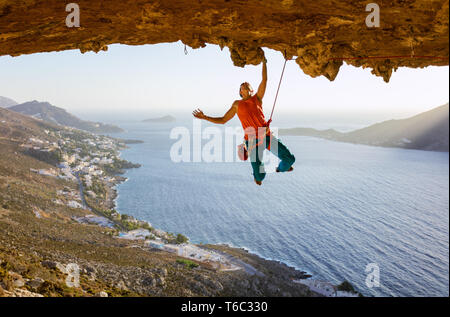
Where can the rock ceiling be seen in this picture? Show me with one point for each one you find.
(320, 35)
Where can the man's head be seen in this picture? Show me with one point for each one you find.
(245, 90)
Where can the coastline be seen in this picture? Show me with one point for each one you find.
(259, 263)
(118, 255)
(113, 193)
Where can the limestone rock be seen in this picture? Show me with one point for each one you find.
(121, 285)
(54, 265)
(18, 280)
(162, 272)
(36, 283)
(318, 33)
(161, 281)
(20, 293)
(149, 281)
(212, 284)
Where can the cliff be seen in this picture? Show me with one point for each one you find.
(319, 34)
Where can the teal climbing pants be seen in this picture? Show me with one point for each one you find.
(276, 147)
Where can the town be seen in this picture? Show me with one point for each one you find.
(94, 163)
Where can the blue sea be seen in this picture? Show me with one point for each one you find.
(343, 207)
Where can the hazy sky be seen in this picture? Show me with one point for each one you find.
(160, 79)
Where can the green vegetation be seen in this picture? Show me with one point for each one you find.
(52, 157)
(188, 263)
(128, 226)
(347, 287)
(145, 225)
(181, 239)
(5, 279)
(98, 188)
(118, 166)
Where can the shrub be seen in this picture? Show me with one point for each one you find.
(346, 287)
(181, 239)
(188, 263)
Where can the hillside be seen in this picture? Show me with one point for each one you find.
(426, 131)
(44, 227)
(6, 102)
(49, 113)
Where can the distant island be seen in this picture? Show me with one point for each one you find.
(425, 131)
(163, 119)
(49, 113)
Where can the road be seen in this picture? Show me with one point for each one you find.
(83, 201)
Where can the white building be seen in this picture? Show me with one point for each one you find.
(88, 169)
(88, 180)
(105, 160)
(161, 233)
(96, 172)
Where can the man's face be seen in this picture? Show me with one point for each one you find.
(244, 91)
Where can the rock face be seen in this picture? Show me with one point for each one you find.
(21, 293)
(411, 33)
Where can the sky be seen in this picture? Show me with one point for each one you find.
(156, 80)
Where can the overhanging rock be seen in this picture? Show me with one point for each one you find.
(319, 34)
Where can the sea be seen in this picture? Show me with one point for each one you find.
(374, 216)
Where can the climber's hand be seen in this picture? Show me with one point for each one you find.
(198, 114)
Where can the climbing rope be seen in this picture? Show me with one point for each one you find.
(278, 89)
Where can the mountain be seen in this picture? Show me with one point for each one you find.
(425, 131)
(6, 102)
(161, 119)
(49, 113)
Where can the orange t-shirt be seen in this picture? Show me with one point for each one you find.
(251, 114)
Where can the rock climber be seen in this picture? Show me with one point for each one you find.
(257, 134)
